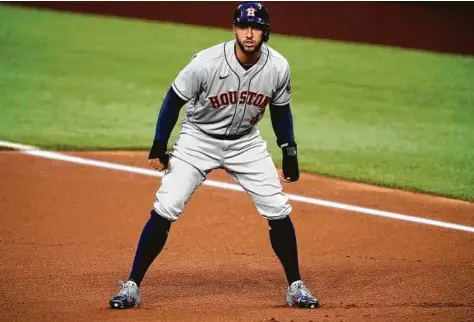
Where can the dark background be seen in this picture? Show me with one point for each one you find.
(436, 26)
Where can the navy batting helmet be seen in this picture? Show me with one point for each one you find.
(253, 14)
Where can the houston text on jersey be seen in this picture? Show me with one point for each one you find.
(244, 97)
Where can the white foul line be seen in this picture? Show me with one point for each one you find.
(153, 173)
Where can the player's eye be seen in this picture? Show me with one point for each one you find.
(246, 25)
(243, 26)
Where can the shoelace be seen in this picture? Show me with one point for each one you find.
(304, 291)
(123, 288)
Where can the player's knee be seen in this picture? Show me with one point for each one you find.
(278, 224)
(169, 212)
(275, 212)
(157, 216)
(158, 222)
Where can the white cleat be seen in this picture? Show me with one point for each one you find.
(128, 296)
(300, 296)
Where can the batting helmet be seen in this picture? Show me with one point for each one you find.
(253, 14)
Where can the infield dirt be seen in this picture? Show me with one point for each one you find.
(68, 233)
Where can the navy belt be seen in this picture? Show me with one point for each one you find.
(228, 136)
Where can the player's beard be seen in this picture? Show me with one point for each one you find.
(256, 49)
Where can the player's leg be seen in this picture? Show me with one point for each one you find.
(260, 179)
(194, 155)
(177, 186)
(251, 165)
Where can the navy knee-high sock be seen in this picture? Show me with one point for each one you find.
(283, 240)
(152, 241)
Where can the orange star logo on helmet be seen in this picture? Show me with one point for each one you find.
(251, 12)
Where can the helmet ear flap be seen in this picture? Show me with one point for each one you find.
(266, 35)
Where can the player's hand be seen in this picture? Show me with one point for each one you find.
(158, 158)
(158, 164)
(290, 167)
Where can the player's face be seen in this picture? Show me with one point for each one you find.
(249, 38)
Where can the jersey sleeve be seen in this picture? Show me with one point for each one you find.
(282, 94)
(188, 82)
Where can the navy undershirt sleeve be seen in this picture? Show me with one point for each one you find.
(282, 122)
(168, 116)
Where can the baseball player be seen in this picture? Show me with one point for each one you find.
(226, 89)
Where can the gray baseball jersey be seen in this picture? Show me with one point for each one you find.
(224, 98)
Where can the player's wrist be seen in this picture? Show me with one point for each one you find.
(290, 161)
(289, 146)
(158, 150)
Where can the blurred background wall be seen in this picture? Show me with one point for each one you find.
(435, 26)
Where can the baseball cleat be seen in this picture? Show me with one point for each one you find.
(128, 296)
(300, 296)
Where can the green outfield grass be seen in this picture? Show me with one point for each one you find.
(380, 115)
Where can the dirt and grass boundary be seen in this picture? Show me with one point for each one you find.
(442, 27)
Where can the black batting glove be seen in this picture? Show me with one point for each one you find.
(158, 151)
(291, 171)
